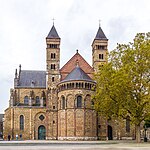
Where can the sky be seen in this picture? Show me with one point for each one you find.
(24, 25)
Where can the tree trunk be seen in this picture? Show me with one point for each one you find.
(138, 135)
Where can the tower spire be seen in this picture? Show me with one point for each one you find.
(53, 33)
(100, 34)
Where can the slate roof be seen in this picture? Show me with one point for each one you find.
(100, 35)
(53, 34)
(30, 79)
(77, 74)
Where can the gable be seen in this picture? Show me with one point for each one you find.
(71, 64)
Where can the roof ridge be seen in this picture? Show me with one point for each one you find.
(34, 70)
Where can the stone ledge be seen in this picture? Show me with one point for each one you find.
(78, 138)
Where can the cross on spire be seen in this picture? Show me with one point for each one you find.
(99, 23)
(53, 20)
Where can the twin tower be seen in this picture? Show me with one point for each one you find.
(99, 54)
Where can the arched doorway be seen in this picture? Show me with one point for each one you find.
(41, 133)
(110, 134)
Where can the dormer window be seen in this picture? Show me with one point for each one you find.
(32, 83)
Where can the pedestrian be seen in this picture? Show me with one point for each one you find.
(20, 136)
(9, 137)
(16, 136)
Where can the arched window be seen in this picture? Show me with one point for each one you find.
(63, 102)
(53, 66)
(72, 85)
(53, 55)
(77, 85)
(79, 101)
(53, 79)
(101, 56)
(82, 85)
(86, 85)
(37, 100)
(26, 100)
(44, 101)
(21, 122)
(67, 86)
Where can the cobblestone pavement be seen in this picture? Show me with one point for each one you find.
(72, 145)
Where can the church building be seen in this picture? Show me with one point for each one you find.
(56, 103)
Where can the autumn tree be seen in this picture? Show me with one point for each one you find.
(123, 84)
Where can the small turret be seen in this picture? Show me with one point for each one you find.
(19, 69)
(16, 74)
(16, 79)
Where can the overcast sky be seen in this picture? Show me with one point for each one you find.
(24, 25)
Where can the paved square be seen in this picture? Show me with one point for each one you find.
(72, 145)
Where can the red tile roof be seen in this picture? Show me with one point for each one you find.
(71, 64)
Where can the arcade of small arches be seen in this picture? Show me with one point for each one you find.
(76, 85)
(32, 99)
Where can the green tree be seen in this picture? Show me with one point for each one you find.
(123, 84)
(147, 124)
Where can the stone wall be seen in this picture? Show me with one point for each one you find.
(76, 123)
(31, 122)
(22, 92)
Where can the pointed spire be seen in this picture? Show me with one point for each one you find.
(53, 33)
(16, 74)
(100, 34)
(19, 67)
